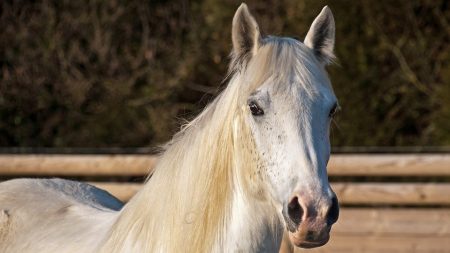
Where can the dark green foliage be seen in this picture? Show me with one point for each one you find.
(109, 73)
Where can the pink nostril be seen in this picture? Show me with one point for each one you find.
(295, 211)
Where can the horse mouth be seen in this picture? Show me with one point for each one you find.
(309, 239)
(309, 245)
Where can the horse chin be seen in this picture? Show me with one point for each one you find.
(299, 240)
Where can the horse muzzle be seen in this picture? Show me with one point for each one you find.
(309, 225)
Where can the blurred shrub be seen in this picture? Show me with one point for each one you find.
(105, 73)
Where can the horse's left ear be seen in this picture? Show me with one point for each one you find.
(320, 36)
(245, 35)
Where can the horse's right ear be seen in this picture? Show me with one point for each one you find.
(320, 37)
(245, 35)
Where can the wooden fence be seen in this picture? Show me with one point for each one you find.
(390, 202)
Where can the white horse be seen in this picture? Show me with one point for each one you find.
(251, 166)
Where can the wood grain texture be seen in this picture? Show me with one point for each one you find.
(76, 165)
(393, 193)
(389, 165)
(415, 222)
(138, 165)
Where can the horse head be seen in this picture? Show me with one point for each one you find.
(288, 107)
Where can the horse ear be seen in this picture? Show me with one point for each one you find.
(245, 35)
(320, 36)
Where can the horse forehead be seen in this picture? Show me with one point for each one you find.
(307, 77)
(314, 90)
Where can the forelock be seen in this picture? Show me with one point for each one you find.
(281, 60)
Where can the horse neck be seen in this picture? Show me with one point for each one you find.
(193, 202)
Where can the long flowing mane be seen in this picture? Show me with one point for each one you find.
(187, 203)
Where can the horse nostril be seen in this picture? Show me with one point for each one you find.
(295, 211)
(333, 212)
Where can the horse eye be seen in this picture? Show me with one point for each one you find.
(254, 108)
(333, 111)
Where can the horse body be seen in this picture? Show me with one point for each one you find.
(54, 215)
(251, 166)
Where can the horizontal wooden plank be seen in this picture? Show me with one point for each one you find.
(76, 165)
(137, 165)
(393, 193)
(348, 193)
(383, 244)
(388, 230)
(389, 165)
(414, 222)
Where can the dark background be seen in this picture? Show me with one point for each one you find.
(128, 73)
